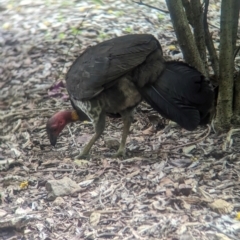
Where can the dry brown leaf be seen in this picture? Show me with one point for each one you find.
(3, 213)
(148, 131)
(206, 196)
(192, 200)
(85, 183)
(181, 162)
(105, 163)
(84, 138)
(158, 206)
(168, 193)
(138, 139)
(133, 174)
(51, 162)
(166, 181)
(143, 228)
(186, 205)
(188, 149)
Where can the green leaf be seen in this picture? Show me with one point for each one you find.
(61, 35)
(128, 29)
(48, 36)
(75, 31)
(119, 13)
(161, 16)
(103, 35)
(98, 2)
(60, 18)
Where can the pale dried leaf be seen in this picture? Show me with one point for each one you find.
(94, 218)
(221, 206)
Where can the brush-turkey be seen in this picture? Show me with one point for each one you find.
(112, 77)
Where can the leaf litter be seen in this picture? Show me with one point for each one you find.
(174, 184)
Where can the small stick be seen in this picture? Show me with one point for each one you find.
(72, 136)
(147, 5)
(194, 142)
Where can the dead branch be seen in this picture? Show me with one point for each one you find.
(147, 5)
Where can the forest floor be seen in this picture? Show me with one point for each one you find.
(173, 184)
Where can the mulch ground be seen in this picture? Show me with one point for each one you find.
(173, 184)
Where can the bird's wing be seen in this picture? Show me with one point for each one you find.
(179, 93)
(99, 66)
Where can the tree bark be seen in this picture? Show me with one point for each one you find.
(236, 95)
(209, 42)
(236, 116)
(225, 96)
(235, 18)
(198, 28)
(188, 10)
(184, 35)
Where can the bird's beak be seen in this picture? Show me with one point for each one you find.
(53, 139)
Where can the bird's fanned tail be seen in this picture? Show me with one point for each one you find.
(180, 94)
(186, 116)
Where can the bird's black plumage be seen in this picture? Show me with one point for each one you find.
(181, 94)
(98, 67)
(113, 77)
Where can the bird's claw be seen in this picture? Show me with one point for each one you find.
(116, 155)
(82, 156)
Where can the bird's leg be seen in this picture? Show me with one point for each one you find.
(99, 126)
(127, 120)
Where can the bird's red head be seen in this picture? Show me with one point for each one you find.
(57, 123)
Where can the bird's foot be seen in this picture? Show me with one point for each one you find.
(119, 153)
(82, 155)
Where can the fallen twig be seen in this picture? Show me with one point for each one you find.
(57, 170)
(23, 112)
(194, 142)
(147, 5)
(228, 142)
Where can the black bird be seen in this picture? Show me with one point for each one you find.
(112, 77)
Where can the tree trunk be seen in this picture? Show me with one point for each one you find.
(235, 18)
(225, 96)
(236, 95)
(198, 29)
(236, 116)
(184, 35)
(209, 43)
